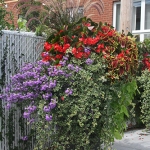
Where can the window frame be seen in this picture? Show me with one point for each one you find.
(114, 12)
(142, 30)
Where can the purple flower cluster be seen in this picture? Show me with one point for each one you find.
(50, 106)
(73, 68)
(87, 49)
(48, 117)
(35, 82)
(69, 91)
(89, 61)
(25, 138)
(63, 61)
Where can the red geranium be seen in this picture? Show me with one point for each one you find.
(77, 52)
(47, 46)
(59, 56)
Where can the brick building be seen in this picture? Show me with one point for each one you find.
(107, 15)
(112, 9)
(10, 8)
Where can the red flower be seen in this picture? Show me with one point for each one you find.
(87, 24)
(61, 31)
(77, 52)
(121, 55)
(97, 50)
(66, 40)
(46, 58)
(127, 51)
(65, 47)
(101, 46)
(74, 50)
(47, 46)
(86, 54)
(58, 48)
(62, 98)
(58, 65)
(81, 39)
(105, 29)
(110, 33)
(79, 55)
(59, 56)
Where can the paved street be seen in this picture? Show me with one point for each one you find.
(134, 140)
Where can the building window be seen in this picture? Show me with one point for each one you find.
(78, 12)
(116, 16)
(140, 18)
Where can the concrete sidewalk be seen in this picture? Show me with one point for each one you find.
(134, 140)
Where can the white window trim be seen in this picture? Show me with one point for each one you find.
(114, 13)
(142, 30)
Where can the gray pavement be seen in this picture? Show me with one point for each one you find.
(133, 140)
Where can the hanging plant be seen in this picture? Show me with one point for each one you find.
(77, 96)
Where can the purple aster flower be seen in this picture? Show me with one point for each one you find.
(46, 63)
(52, 104)
(31, 109)
(30, 95)
(87, 49)
(47, 96)
(52, 84)
(69, 91)
(44, 87)
(77, 69)
(61, 72)
(7, 89)
(68, 75)
(65, 58)
(70, 67)
(43, 78)
(26, 115)
(31, 120)
(8, 106)
(89, 61)
(45, 54)
(63, 63)
(38, 69)
(46, 109)
(25, 138)
(48, 118)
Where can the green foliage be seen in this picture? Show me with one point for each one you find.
(141, 100)
(95, 114)
(97, 111)
(143, 48)
(144, 81)
(22, 24)
(23, 7)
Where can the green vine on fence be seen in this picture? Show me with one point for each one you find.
(2, 84)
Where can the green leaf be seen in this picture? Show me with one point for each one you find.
(124, 110)
(117, 135)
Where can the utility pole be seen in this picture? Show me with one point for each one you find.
(126, 16)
